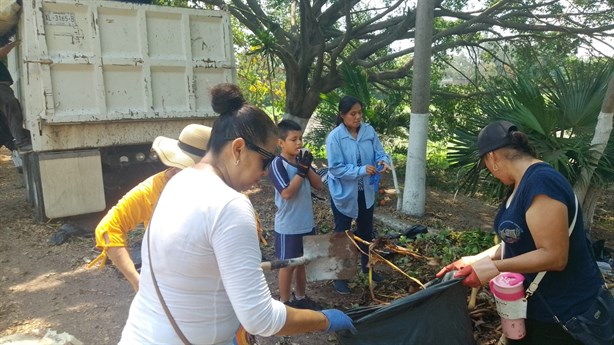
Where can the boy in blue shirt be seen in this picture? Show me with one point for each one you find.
(293, 177)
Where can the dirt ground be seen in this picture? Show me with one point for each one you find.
(45, 286)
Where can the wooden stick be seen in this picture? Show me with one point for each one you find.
(473, 298)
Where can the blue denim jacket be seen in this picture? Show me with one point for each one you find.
(343, 171)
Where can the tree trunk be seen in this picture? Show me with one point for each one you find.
(300, 106)
(414, 195)
(603, 129)
(301, 100)
(300, 120)
(589, 206)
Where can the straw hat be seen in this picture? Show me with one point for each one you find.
(186, 151)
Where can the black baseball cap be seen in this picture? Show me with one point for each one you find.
(495, 136)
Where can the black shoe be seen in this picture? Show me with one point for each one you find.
(290, 303)
(341, 286)
(376, 277)
(305, 303)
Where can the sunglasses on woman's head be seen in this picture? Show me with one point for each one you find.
(267, 157)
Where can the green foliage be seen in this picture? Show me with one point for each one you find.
(548, 51)
(436, 156)
(450, 245)
(260, 72)
(437, 166)
(317, 151)
(558, 111)
(325, 118)
(385, 111)
(325, 228)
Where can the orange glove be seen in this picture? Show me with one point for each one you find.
(478, 273)
(456, 265)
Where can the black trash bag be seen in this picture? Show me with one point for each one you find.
(410, 233)
(67, 231)
(135, 254)
(433, 316)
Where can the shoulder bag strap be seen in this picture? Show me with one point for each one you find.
(164, 306)
(538, 278)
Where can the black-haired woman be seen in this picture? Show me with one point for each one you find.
(354, 153)
(206, 270)
(534, 224)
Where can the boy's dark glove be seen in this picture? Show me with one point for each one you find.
(303, 161)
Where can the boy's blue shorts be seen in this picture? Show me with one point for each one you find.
(290, 246)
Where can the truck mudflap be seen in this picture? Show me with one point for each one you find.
(71, 183)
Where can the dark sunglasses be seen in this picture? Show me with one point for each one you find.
(266, 155)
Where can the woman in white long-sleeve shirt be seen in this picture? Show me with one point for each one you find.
(207, 258)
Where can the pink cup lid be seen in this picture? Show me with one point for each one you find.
(508, 286)
(508, 280)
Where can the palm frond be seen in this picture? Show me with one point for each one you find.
(558, 113)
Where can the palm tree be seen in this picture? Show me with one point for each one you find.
(559, 113)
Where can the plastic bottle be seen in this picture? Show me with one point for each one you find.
(374, 179)
(509, 292)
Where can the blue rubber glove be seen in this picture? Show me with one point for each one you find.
(374, 179)
(338, 321)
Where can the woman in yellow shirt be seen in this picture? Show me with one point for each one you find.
(138, 205)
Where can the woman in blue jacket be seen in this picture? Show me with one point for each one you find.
(354, 154)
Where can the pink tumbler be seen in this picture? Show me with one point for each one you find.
(509, 292)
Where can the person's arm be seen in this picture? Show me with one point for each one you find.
(303, 321)
(293, 188)
(235, 244)
(6, 49)
(297, 181)
(247, 287)
(132, 209)
(314, 179)
(286, 187)
(121, 259)
(493, 253)
(381, 157)
(547, 221)
(548, 224)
